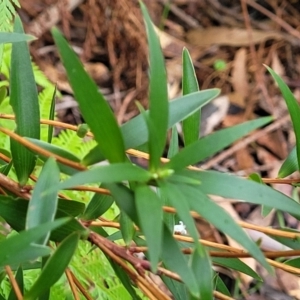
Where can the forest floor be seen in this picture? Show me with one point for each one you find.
(229, 42)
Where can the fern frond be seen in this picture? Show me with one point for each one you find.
(7, 13)
(69, 140)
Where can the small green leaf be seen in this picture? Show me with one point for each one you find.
(294, 262)
(112, 173)
(24, 101)
(221, 286)
(293, 107)
(15, 37)
(51, 116)
(135, 132)
(123, 276)
(218, 217)
(158, 93)
(236, 264)
(201, 266)
(42, 206)
(174, 146)
(94, 108)
(124, 198)
(191, 125)
(233, 187)
(147, 201)
(18, 248)
(211, 144)
(54, 267)
(290, 165)
(127, 228)
(98, 205)
(175, 261)
(3, 93)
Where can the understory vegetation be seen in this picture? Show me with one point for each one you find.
(76, 212)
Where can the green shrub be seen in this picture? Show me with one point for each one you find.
(56, 225)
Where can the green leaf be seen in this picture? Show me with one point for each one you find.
(158, 93)
(24, 101)
(201, 266)
(14, 37)
(191, 125)
(135, 132)
(71, 207)
(147, 201)
(98, 205)
(124, 198)
(290, 165)
(51, 117)
(123, 276)
(177, 289)
(218, 217)
(94, 108)
(174, 146)
(14, 213)
(42, 206)
(112, 173)
(236, 264)
(294, 262)
(127, 228)
(211, 144)
(293, 107)
(20, 282)
(175, 261)
(221, 286)
(233, 187)
(18, 248)
(54, 267)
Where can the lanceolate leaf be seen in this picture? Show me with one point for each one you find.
(158, 94)
(135, 132)
(175, 260)
(233, 187)
(290, 165)
(236, 264)
(112, 173)
(213, 143)
(191, 125)
(200, 260)
(98, 205)
(150, 214)
(218, 217)
(124, 198)
(54, 267)
(15, 245)
(14, 37)
(94, 108)
(51, 116)
(43, 204)
(24, 101)
(293, 107)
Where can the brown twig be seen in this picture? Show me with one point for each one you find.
(80, 287)
(42, 151)
(14, 283)
(72, 284)
(275, 18)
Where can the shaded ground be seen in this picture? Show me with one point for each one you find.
(229, 42)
